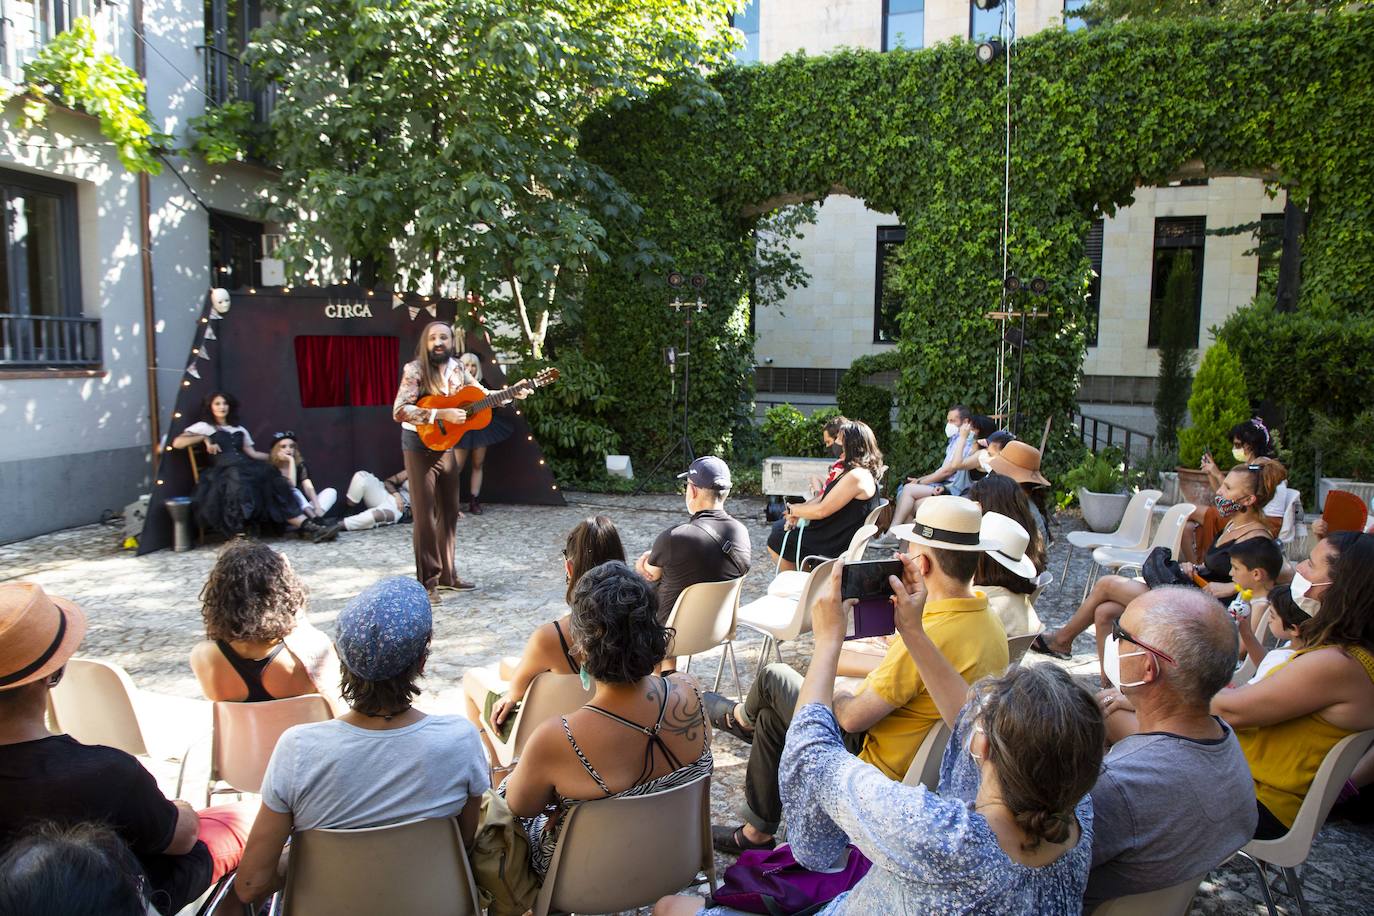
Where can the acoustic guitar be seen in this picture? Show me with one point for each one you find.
(441, 436)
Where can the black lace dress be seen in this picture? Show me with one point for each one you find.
(239, 491)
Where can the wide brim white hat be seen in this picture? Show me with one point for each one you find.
(1012, 540)
(946, 523)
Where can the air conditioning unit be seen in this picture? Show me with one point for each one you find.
(273, 270)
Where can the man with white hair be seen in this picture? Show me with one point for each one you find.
(1175, 798)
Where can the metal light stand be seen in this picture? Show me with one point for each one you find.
(684, 441)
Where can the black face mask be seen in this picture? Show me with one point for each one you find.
(438, 359)
(836, 450)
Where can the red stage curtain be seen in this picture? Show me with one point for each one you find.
(347, 371)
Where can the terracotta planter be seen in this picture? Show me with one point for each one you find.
(1195, 487)
(1102, 511)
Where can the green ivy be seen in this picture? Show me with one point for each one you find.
(859, 399)
(1098, 113)
(71, 71)
(569, 417)
(792, 433)
(227, 133)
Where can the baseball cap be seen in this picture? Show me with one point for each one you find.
(709, 473)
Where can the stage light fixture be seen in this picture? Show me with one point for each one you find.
(675, 279)
(1039, 286)
(1012, 283)
(988, 51)
(698, 281)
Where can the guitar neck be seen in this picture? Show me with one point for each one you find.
(495, 399)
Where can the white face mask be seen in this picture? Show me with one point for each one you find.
(1299, 588)
(1111, 662)
(1238, 454)
(985, 461)
(951, 430)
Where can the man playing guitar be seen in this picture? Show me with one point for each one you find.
(433, 474)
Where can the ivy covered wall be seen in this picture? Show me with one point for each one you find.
(1097, 113)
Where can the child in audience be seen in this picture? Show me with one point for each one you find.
(1285, 623)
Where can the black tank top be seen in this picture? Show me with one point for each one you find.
(250, 670)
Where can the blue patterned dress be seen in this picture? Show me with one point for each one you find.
(931, 852)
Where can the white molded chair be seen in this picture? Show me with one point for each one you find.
(782, 617)
(549, 695)
(1133, 533)
(925, 766)
(1293, 531)
(623, 853)
(1290, 850)
(788, 584)
(1169, 534)
(244, 735)
(1017, 646)
(418, 868)
(1167, 901)
(94, 703)
(704, 617)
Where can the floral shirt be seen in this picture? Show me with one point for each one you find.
(931, 852)
(404, 410)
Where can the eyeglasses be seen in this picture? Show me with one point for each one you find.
(1120, 634)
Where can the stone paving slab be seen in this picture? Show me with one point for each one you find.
(144, 616)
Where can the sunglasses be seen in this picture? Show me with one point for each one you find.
(1121, 634)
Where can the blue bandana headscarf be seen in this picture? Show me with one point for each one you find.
(384, 629)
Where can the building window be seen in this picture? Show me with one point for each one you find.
(1269, 247)
(984, 24)
(747, 21)
(1092, 247)
(228, 25)
(26, 26)
(887, 303)
(235, 249)
(790, 380)
(1072, 20)
(904, 24)
(40, 285)
(1178, 248)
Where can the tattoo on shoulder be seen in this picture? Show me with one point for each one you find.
(683, 714)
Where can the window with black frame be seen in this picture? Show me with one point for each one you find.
(1179, 246)
(887, 302)
(1092, 247)
(41, 323)
(904, 24)
(228, 26)
(747, 21)
(235, 250)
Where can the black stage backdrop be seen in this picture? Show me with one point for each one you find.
(250, 352)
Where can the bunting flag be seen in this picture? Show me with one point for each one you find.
(192, 371)
(433, 310)
(203, 352)
(414, 310)
(396, 300)
(209, 332)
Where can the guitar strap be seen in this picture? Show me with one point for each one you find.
(724, 546)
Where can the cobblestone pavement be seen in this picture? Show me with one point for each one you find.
(144, 616)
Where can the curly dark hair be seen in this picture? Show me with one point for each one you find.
(208, 415)
(252, 593)
(383, 698)
(615, 624)
(592, 542)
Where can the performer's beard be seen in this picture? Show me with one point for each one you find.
(438, 357)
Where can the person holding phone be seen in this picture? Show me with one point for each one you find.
(885, 719)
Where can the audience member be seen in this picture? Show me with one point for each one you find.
(1010, 829)
(830, 435)
(950, 478)
(46, 777)
(1010, 576)
(285, 455)
(591, 542)
(1174, 799)
(1289, 720)
(642, 733)
(885, 719)
(78, 870)
(258, 644)
(1285, 623)
(1021, 462)
(711, 546)
(1250, 442)
(384, 502)
(1241, 499)
(383, 761)
(825, 526)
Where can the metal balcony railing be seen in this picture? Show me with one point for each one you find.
(226, 80)
(1098, 434)
(43, 340)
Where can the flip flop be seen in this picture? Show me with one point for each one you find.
(731, 841)
(1039, 645)
(720, 711)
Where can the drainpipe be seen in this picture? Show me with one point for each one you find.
(145, 248)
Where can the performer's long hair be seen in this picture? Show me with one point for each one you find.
(431, 378)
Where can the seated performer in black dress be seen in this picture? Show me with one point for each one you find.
(241, 487)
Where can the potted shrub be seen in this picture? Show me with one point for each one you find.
(1099, 483)
(1218, 404)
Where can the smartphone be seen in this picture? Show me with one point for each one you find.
(868, 579)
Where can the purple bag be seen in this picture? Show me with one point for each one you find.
(770, 881)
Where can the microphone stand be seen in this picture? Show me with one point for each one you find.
(684, 442)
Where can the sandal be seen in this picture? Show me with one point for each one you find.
(1039, 645)
(720, 711)
(732, 841)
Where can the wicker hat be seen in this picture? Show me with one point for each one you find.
(38, 633)
(947, 523)
(1020, 462)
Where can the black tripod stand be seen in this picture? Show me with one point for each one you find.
(684, 441)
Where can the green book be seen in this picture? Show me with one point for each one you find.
(503, 731)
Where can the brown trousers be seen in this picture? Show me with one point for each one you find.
(434, 506)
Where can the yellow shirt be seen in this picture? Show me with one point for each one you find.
(966, 633)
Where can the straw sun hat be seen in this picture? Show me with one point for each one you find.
(1020, 462)
(947, 523)
(38, 633)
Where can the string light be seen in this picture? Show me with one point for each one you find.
(159, 483)
(252, 291)
(541, 460)
(177, 415)
(185, 384)
(205, 321)
(555, 487)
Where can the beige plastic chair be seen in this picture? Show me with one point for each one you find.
(877, 513)
(780, 618)
(418, 868)
(1017, 646)
(94, 703)
(925, 766)
(704, 617)
(1133, 533)
(1169, 534)
(1167, 901)
(244, 735)
(789, 583)
(1290, 850)
(550, 695)
(623, 853)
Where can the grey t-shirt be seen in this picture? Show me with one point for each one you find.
(332, 774)
(1166, 809)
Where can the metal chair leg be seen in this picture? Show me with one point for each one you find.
(1089, 582)
(763, 656)
(1264, 881)
(1290, 875)
(734, 671)
(1067, 557)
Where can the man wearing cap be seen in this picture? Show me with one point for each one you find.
(383, 761)
(886, 716)
(46, 777)
(711, 546)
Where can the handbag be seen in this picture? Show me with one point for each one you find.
(771, 881)
(500, 859)
(1160, 568)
